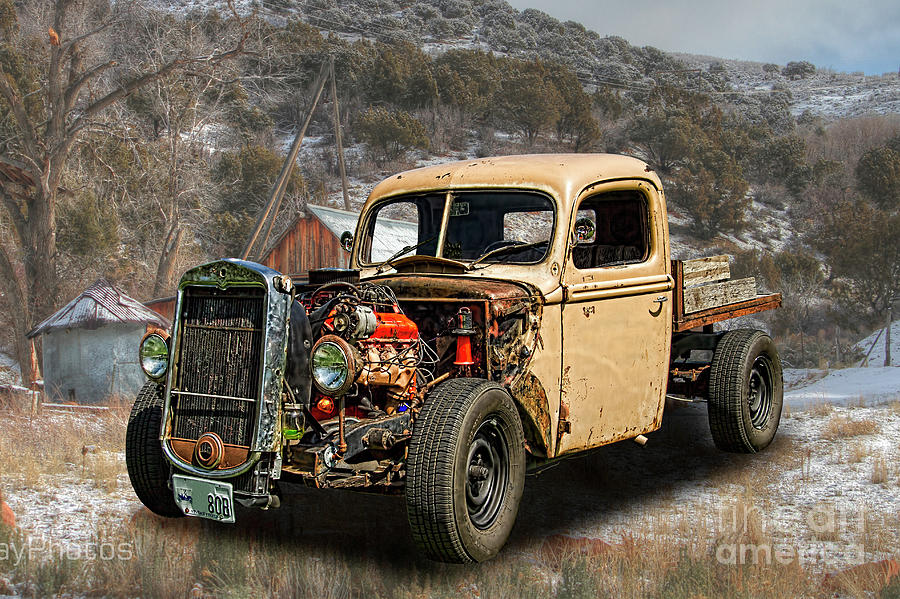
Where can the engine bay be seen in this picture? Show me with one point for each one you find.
(361, 362)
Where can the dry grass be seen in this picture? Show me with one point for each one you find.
(858, 452)
(179, 561)
(822, 409)
(879, 470)
(680, 552)
(53, 444)
(843, 427)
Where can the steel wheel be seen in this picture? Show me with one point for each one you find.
(759, 396)
(488, 472)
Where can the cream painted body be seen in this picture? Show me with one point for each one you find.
(605, 332)
(616, 330)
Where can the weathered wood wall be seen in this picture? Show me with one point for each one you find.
(306, 245)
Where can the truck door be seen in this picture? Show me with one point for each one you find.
(616, 316)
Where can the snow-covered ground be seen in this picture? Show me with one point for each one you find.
(826, 93)
(872, 384)
(846, 387)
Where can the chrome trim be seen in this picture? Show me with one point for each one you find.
(212, 395)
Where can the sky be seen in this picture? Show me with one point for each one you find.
(838, 34)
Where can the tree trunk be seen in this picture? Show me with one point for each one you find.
(39, 255)
(165, 268)
(887, 335)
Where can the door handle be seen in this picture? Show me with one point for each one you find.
(661, 299)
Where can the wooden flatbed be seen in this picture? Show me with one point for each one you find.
(706, 294)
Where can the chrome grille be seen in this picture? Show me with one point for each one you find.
(220, 360)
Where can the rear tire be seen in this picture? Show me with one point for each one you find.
(746, 391)
(147, 467)
(466, 471)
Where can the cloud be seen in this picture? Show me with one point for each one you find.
(864, 35)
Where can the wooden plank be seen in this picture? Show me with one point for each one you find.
(718, 294)
(708, 317)
(706, 270)
(678, 272)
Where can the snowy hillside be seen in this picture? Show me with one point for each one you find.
(826, 93)
(438, 26)
(876, 358)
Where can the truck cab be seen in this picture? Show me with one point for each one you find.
(498, 314)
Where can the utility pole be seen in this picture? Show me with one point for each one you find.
(280, 186)
(270, 212)
(337, 137)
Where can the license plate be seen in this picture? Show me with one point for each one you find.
(204, 498)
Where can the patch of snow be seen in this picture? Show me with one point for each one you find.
(876, 358)
(848, 386)
(10, 373)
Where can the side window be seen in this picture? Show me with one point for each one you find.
(612, 229)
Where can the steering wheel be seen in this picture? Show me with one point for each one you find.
(501, 243)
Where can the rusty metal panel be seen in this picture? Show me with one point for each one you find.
(544, 371)
(758, 304)
(99, 305)
(164, 306)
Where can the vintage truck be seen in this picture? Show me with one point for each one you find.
(498, 314)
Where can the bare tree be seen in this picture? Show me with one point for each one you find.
(46, 123)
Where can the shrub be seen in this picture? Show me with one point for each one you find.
(389, 134)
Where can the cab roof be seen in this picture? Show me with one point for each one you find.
(564, 176)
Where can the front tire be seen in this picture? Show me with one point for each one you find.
(147, 467)
(746, 391)
(466, 471)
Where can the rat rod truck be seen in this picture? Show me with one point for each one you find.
(498, 314)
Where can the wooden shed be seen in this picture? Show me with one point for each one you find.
(312, 241)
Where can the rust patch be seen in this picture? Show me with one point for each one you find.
(588, 311)
(534, 410)
(234, 455)
(564, 427)
(423, 286)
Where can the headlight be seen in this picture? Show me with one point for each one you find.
(334, 365)
(154, 355)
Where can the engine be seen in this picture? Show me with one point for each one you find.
(365, 353)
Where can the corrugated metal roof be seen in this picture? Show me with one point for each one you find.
(100, 304)
(396, 233)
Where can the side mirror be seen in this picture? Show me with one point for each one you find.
(347, 240)
(585, 229)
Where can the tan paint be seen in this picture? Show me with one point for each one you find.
(545, 365)
(604, 342)
(616, 339)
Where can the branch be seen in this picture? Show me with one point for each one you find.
(140, 82)
(15, 213)
(72, 90)
(29, 136)
(72, 42)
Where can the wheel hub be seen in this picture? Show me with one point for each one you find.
(759, 396)
(487, 473)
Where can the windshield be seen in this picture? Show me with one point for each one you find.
(478, 223)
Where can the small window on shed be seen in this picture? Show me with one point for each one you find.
(612, 229)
